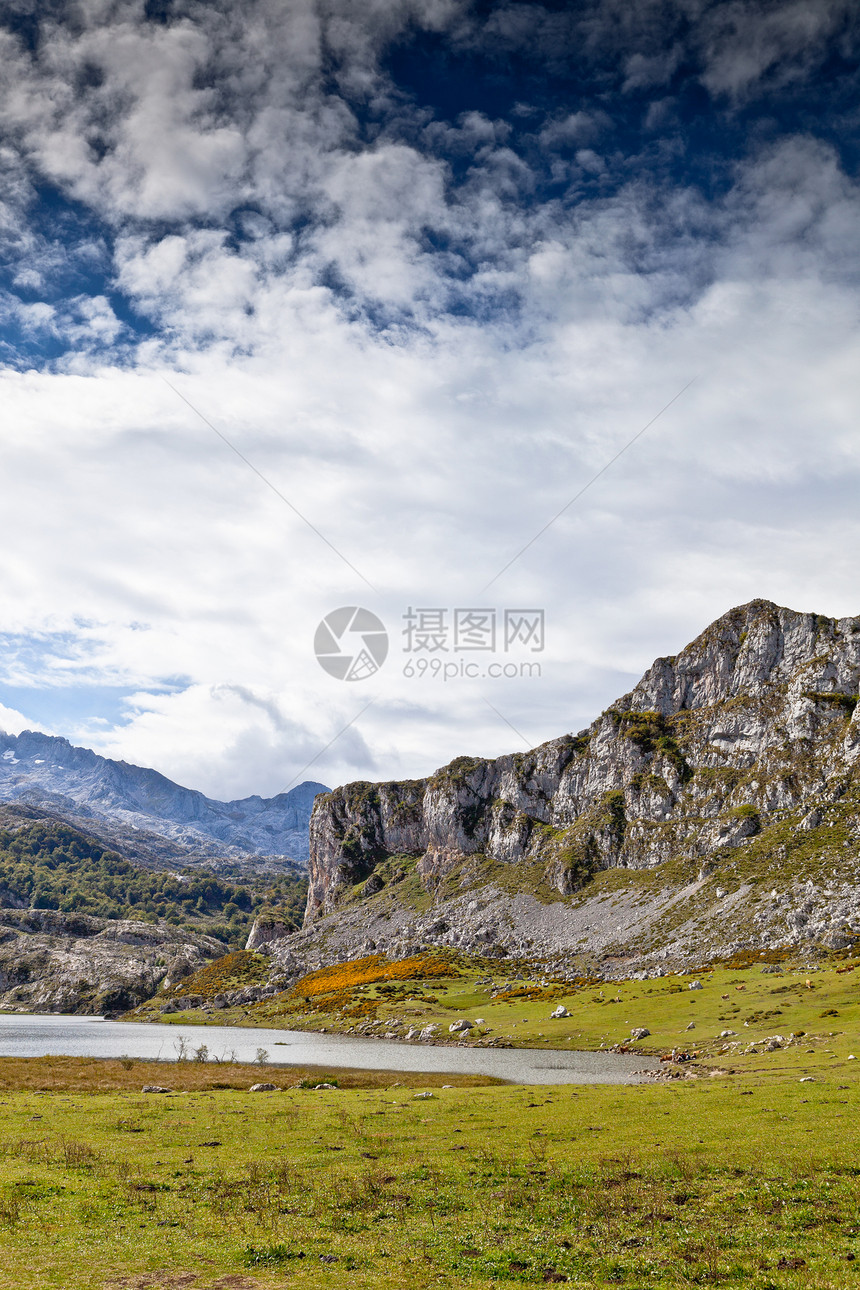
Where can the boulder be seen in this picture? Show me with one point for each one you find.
(421, 1097)
(691, 1026)
(460, 1027)
(640, 1032)
(155, 1088)
(560, 1011)
(429, 1032)
(263, 1088)
(695, 985)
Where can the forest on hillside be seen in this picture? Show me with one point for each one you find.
(54, 866)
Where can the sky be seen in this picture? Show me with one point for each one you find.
(529, 329)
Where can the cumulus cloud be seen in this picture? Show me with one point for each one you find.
(427, 330)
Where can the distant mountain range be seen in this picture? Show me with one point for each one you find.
(145, 814)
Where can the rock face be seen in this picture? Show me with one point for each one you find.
(54, 962)
(743, 742)
(148, 815)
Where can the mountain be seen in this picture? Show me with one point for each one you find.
(716, 806)
(145, 814)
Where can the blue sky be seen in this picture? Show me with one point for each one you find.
(428, 265)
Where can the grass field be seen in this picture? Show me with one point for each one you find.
(745, 1175)
(749, 1181)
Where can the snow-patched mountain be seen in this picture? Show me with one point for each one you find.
(138, 804)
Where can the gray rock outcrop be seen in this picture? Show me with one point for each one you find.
(746, 744)
(753, 719)
(73, 963)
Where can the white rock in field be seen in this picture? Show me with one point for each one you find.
(460, 1027)
(560, 1011)
(640, 1032)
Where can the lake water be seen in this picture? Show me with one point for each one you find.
(40, 1036)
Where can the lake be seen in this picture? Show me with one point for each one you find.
(51, 1035)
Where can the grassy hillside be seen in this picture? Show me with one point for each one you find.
(783, 1015)
(54, 866)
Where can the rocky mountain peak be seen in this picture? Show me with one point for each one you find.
(725, 748)
(138, 803)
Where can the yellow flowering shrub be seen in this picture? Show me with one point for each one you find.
(228, 973)
(367, 971)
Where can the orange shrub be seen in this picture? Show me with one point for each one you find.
(346, 976)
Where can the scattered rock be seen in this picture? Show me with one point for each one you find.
(727, 1034)
(695, 985)
(429, 1032)
(422, 1097)
(691, 1026)
(640, 1032)
(560, 1011)
(155, 1088)
(263, 1088)
(460, 1027)
(319, 1086)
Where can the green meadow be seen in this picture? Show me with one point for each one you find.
(739, 1181)
(741, 1170)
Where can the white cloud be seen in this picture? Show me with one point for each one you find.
(428, 369)
(13, 722)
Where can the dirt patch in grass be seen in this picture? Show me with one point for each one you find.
(176, 1280)
(95, 1075)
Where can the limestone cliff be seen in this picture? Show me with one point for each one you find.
(744, 745)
